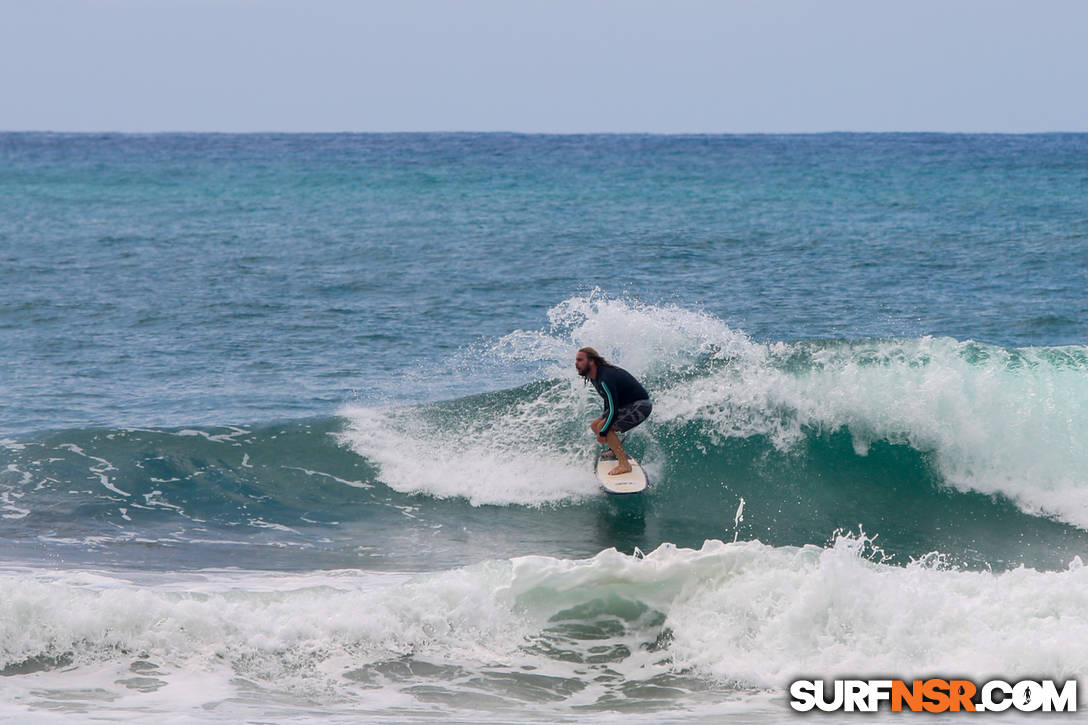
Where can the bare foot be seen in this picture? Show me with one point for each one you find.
(620, 469)
(608, 456)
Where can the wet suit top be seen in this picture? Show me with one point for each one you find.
(618, 388)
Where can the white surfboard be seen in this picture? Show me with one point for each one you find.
(632, 482)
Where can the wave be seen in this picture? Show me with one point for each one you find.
(934, 444)
(991, 420)
(599, 633)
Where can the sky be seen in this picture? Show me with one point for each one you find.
(555, 66)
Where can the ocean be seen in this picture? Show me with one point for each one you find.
(291, 432)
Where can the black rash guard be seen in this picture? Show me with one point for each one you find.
(618, 388)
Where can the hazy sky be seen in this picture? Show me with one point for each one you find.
(557, 66)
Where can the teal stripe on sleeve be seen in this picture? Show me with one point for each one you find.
(611, 408)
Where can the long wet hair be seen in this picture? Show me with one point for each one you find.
(595, 356)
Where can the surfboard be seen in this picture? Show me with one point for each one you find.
(633, 482)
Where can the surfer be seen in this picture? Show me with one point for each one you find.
(626, 402)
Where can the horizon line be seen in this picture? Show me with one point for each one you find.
(535, 133)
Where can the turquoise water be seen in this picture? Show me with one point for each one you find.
(269, 402)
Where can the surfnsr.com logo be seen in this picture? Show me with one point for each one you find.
(933, 695)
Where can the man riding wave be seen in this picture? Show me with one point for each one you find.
(626, 402)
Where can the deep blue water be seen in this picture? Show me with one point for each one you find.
(261, 374)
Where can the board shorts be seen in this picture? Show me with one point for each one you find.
(631, 415)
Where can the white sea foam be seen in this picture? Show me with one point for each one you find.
(17, 481)
(100, 471)
(744, 618)
(501, 458)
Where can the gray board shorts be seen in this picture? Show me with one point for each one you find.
(631, 415)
